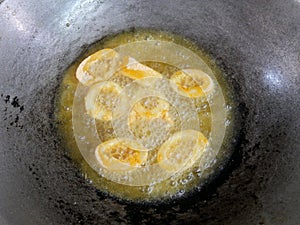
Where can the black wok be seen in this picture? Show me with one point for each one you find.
(255, 43)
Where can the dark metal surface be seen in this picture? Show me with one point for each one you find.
(256, 43)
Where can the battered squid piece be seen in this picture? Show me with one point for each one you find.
(99, 66)
(121, 155)
(135, 70)
(192, 83)
(181, 150)
(150, 121)
(151, 107)
(101, 98)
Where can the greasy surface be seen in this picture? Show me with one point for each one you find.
(255, 43)
(175, 187)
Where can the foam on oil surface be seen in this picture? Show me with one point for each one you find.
(175, 185)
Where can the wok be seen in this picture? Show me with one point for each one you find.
(255, 43)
